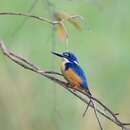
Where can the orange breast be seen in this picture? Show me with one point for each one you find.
(71, 76)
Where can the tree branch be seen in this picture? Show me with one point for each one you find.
(52, 76)
(43, 19)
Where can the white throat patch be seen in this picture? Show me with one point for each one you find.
(67, 61)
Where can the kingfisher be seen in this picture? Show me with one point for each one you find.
(72, 71)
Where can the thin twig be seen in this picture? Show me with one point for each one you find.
(52, 72)
(28, 65)
(96, 115)
(86, 108)
(31, 16)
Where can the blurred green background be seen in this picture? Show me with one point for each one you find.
(31, 102)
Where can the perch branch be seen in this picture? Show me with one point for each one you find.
(52, 76)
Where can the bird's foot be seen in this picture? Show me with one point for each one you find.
(68, 84)
(74, 88)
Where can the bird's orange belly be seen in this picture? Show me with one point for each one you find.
(71, 77)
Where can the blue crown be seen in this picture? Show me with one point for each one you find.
(70, 56)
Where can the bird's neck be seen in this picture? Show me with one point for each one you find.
(64, 61)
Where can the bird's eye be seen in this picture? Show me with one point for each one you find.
(67, 55)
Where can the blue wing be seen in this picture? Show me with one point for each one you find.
(78, 70)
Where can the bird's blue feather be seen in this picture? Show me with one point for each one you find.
(78, 70)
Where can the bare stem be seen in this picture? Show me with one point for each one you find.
(43, 19)
(86, 108)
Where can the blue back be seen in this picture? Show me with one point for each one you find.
(78, 70)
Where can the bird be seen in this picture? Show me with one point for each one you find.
(72, 72)
(75, 75)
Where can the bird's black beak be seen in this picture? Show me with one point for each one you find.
(60, 55)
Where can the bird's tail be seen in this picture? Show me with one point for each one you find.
(87, 91)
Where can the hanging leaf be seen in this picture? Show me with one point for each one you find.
(73, 19)
(75, 22)
(62, 18)
(60, 31)
(60, 28)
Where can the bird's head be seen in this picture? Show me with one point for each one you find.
(67, 56)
